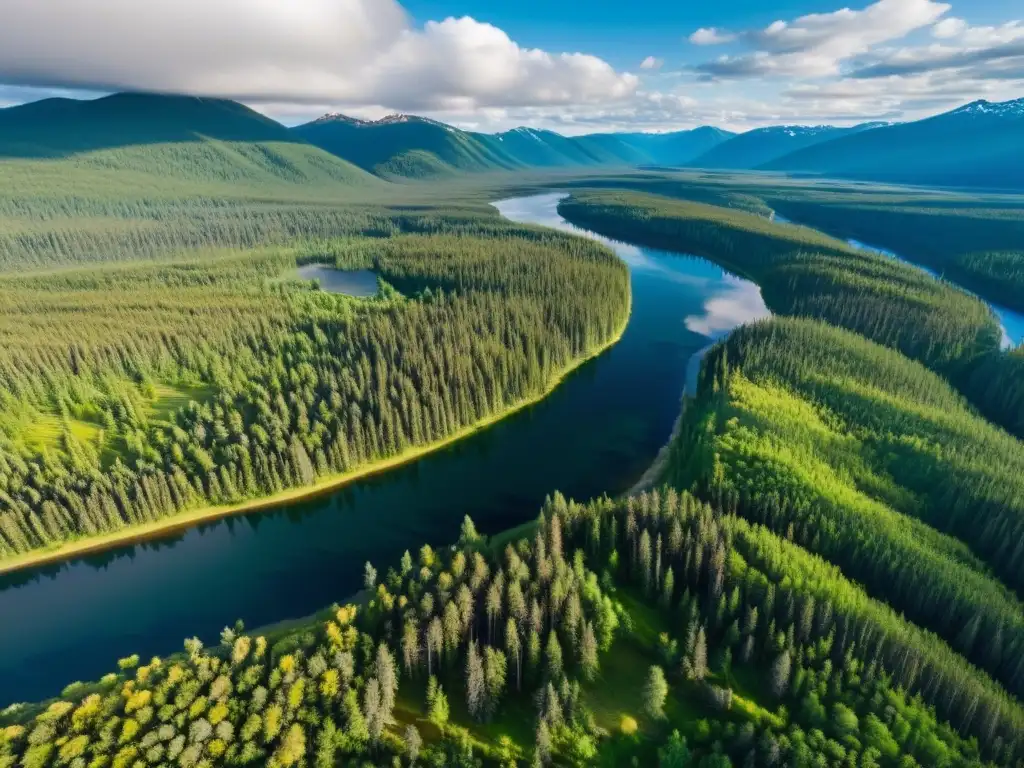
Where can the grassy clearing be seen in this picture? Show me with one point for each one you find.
(167, 399)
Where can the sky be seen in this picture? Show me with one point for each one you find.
(575, 66)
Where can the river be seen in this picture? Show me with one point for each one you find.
(595, 434)
(1010, 321)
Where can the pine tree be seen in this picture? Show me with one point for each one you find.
(553, 655)
(437, 704)
(468, 536)
(668, 589)
(435, 642)
(696, 666)
(373, 711)
(533, 653)
(780, 674)
(514, 649)
(411, 646)
(384, 668)
(476, 684)
(589, 653)
(543, 746)
(495, 674)
(370, 577)
(413, 743)
(655, 693)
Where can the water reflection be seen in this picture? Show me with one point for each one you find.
(361, 283)
(739, 303)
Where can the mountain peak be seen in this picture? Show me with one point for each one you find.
(337, 117)
(392, 119)
(1013, 108)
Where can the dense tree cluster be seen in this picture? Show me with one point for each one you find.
(844, 447)
(975, 244)
(293, 384)
(766, 656)
(802, 272)
(742, 595)
(996, 385)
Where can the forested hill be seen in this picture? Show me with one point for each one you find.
(803, 272)
(144, 139)
(60, 127)
(199, 138)
(410, 147)
(414, 147)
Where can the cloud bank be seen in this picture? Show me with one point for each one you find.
(816, 45)
(356, 52)
(296, 59)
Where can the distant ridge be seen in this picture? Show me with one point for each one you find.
(406, 145)
(54, 127)
(762, 145)
(182, 137)
(978, 144)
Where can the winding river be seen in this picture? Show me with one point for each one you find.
(595, 434)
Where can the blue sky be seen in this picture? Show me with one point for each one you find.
(572, 65)
(625, 33)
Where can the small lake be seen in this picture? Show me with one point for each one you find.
(361, 283)
(596, 433)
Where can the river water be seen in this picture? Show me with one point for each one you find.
(595, 434)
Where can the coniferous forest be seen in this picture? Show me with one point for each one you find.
(828, 571)
(138, 391)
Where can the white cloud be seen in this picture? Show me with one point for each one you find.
(711, 36)
(947, 28)
(816, 45)
(974, 53)
(343, 52)
(300, 59)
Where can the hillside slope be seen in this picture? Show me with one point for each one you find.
(170, 137)
(402, 145)
(676, 148)
(415, 147)
(755, 148)
(978, 144)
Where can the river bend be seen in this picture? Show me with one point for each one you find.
(595, 434)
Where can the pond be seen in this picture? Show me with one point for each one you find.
(361, 283)
(595, 434)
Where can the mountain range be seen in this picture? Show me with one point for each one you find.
(410, 146)
(979, 144)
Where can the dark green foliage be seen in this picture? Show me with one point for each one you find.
(299, 384)
(805, 273)
(844, 446)
(330, 691)
(856, 651)
(996, 385)
(975, 244)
